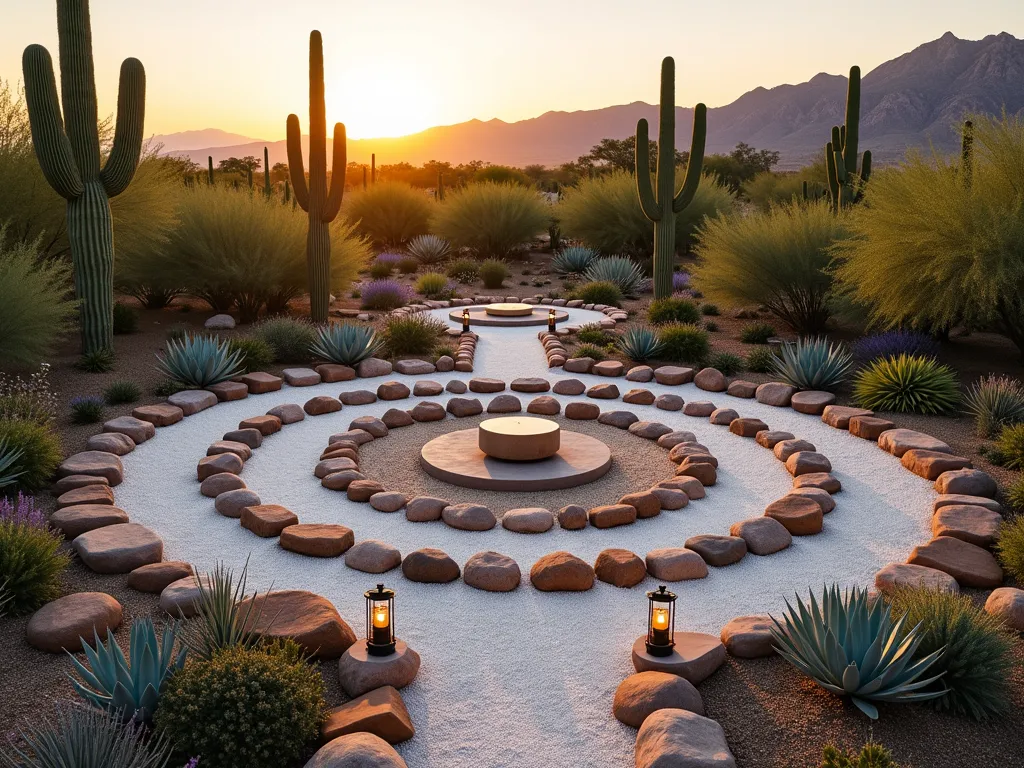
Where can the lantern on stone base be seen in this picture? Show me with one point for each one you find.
(661, 622)
(465, 321)
(551, 320)
(380, 621)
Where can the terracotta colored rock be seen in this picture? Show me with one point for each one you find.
(360, 673)
(749, 637)
(740, 388)
(821, 497)
(231, 503)
(578, 364)
(387, 501)
(75, 520)
(723, 416)
(380, 712)
(899, 441)
(118, 548)
(607, 368)
(675, 738)
(156, 577)
(747, 427)
(807, 462)
(620, 568)
(839, 416)
(528, 520)
(612, 515)
(396, 418)
(603, 392)
(618, 419)
(582, 411)
(229, 391)
(460, 407)
(643, 694)
(428, 412)
(772, 437)
(811, 402)
(317, 539)
(160, 415)
(699, 408)
(392, 390)
(894, 575)
(356, 750)
(970, 482)
(414, 367)
(639, 397)
(716, 550)
(669, 402)
(422, 509)
(215, 485)
(710, 380)
(87, 494)
(777, 394)
(682, 451)
(649, 430)
(304, 617)
(372, 367)
(976, 525)
(370, 424)
(763, 535)
(970, 565)
(544, 406)
(178, 599)
(192, 401)
(248, 436)
(640, 373)
(357, 397)
(504, 404)
(801, 515)
(645, 503)
(95, 463)
(427, 389)
(561, 572)
(823, 480)
(430, 566)
(695, 657)
(112, 442)
(456, 387)
(469, 517)
(571, 387)
(530, 385)
(260, 383)
(71, 482)
(672, 375)
(931, 464)
(492, 572)
(266, 425)
(675, 564)
(221, 462)
(869, 427)
(786, 448)
(486, 386)
(1007, 603)
(321, 404)
(331, 373)
(948, 499)
(363, 490)
(288, 413)
(372, 556)
(706, 473)
(672, 439)
(340, 481)
(669, 499)
(267, 520)
(241, 450)
(61, 624)
(572, 517)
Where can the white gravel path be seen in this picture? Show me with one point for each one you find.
(526, 679)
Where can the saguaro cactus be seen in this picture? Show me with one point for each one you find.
(364, 178)
(967, 153)
(845, 184)
(321, 205)
(209, 169)
(440, 186)
(267, 186)
(373, 168)
(68, 149)
(662, 209)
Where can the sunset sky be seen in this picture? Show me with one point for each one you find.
(398, 66)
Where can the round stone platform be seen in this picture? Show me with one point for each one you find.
(509, 310)
(519, 438)
(479, 316)
(456, 458)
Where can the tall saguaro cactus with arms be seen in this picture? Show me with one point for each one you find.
(68, 148)
(845, 184)
(661, 206)
(322, 206)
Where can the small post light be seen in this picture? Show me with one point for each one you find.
(465, 320)
(661, 622)
(380, 621)
(551, 320)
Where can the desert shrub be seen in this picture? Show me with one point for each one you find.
(178, 331)
(9, 469)
(710, 310)
(494, 273)
(778, 259)
(434, 285)
(347, 343)
(501, 174)
(684, 342)
(995, 402)
(726, 362)
(756, 333)
(126, 319)
(907, 384)
(760, 360)
(225, 614)
(429, 249)
(640, 344)
(121, 392)
(245, 707)
(491, 220)
(199, 361)
(589, 350)
(768, 189)
(381, 269)
(599, 293)
(673, 310)
(383, 295)
(390, 214)
(289, 337)
(1010, 545)
(931, 251)
(254, 354)
(977, 652)
(573, 260)
(463, 270)
(40, 452)
(813, 364)
(592, 333)
(412, 334)
(87, 409)
(30, 399)
(1010, 446)
(871, 755)
(894, 344)
(36, 306)
(408, 265)
(31, 564)
(710, 326)
(167, 387)
(622, 272)
(97, 361)
(604, 213)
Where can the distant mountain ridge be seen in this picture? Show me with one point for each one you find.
(914, 100)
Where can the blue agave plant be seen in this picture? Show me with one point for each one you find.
(9, 457)
(199, 360)
(640, 343)
(813, 364)
(852, 649)
(573, 260)
(346, 343)
(623, 272)
(429, 249)
(129, 688)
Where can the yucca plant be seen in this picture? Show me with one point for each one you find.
(573, 260)
(813, 363)
(129, 688)
(995, 402)
(429, 249)
(640, 344)
(347, 343)
(9, 470)
(199, 361)
(622, 272)
(83, 737)
(221, 621)
(907, 384)
(852, 648)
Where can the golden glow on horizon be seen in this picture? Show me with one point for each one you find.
(381, 99)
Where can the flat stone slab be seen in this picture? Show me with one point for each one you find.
(807, 462)
(895, 575)
(492, 572)
(562, 572)
(87, 494)
(265, 425)
(723, 416)
(414, 367)
(393, 390)
(971, 482)
(824, 480)
(617, 419)
(649, 430)
(695, 656)
(241, 450)
(71, 482)
(317, 539)
(641, 373)
(372, 556)
(358, 397)
(331, 373)
(669, 402)
(267, 520)
(699, 408)
(231, 503)
(308, 619)
(749, 637)
(469, 517)
(571, 387)
(675, 564)
(716, 550)
(603, 392)
(976, 525)
(777, 394)
(373, 367)
(783, 449)
(747, 427)
(75, 520)
(380, 712)
(98, 463)
(156, 577)
(839, 416)
(643, 694)
(772, 437)
(800, 515)
(947, 499)
(248, 436)
(61, 624)
(138, 430)
(620, 568)
(192, 401)
(612, 515)
(763, 535)
(970, 565)
(427, 389)
(931, 464)
(899, 441)
(480, 316)
(528, 520)
(672, 439)
(360, 673)
(260, 383)
(430, 566)
(118, 548)
(530, 385)
(869, 427)
(288, 413)
(161, 415)
(229, 391)
(672, 375)
(740, 388)
(219, 463)
(676, 738)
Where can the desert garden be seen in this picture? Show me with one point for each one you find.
(637, 468)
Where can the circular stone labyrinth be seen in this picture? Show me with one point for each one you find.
(524, 679)
(478, 316)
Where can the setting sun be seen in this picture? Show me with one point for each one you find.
(384, 98)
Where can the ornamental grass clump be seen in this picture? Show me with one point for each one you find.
(97, 361)
(1010, 545)
(121, 392)
(761, 360)
(1010, 446)
(726, 362)
(224, 614)
(973, 650)
(255, 354)
(434, 285)
(756, 333)
(126, 319)
(590, 350)
(599, 293)
(995, 402)
(852, 648)
(573, 260)
(30, 399)
(413, 334)
(624, 273)
(639, 344)
(592, 333)
(347, 343)
(390, 213)
(31, 562)
(86, 409)
(871, 755)
(813, 364)
(199, 361)
(494, 273)
(38, 452)
(382, 295)
(491, 220)
(673, 310)
(291, 338)
(463, 270)
(907, 384)
(894, 344)
(684, 342)
(429, 249)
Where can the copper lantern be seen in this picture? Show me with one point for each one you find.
(380, 621)
(661, 622)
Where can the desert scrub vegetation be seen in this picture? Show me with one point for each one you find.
(291, 338)
(599, 293)
(199, 361)
(491, 220)
(684, 342)
(907, 384)
(673, 310)
(413, 334)
(37, 449)
(31, 558)
(390, 214)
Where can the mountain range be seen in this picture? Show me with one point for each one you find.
(915, 100)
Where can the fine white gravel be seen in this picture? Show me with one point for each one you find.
(526, 679)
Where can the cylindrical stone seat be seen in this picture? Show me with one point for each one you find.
(515, 438)
(508, 310)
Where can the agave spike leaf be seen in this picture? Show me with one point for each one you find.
(573, 260)
(813, 364)
(851, 678)
(346, 343)
(866, 707)
(9, 458)
(623, 272)
(640, 344)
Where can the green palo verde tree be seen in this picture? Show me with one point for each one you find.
(845, 184)
(662, 209)
(68, 149)
(321, 205)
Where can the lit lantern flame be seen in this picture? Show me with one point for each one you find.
(380, 615)
(659, 618)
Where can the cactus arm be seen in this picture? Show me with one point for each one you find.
(837, 152)
(865, 166)
(267, 188)
(124, 157)
(78, 85)
(53, 148)
(852, 125)
(339, 166)
(695, 165)
(295, 166)
(644, 189)
(209, 169)
(833, 178)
